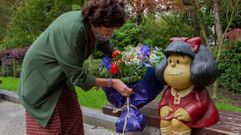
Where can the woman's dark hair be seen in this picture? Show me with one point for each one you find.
(107, 13)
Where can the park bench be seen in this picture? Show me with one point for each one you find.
(229, 124)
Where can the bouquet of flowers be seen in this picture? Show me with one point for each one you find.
(134, 66)
(121, 65)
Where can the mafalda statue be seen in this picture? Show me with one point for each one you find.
(187, 69)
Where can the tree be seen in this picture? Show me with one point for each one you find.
(138, 7)
(30, 18)
(5, 10)
(198, 14)
(222, 19)
(233, 9)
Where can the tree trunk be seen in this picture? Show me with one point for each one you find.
(218, 25)
(203, 31)
(195, 22)
(219, 33)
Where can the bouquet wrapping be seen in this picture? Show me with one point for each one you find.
(135, 67)
(131, 119)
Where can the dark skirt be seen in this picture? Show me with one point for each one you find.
(65, 120)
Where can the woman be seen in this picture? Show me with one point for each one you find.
(54, 64)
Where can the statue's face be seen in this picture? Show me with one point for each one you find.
(177, 74)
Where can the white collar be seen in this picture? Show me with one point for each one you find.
(182, 93)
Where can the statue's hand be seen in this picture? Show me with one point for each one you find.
(165, 111)
(182, 114)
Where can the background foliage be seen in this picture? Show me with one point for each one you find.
(5, 10)
(155, 31)
(230, 66)
(22, 21)
(31, 17)
(129, 34)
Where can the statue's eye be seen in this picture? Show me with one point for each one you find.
(170, 61)
(178, 62)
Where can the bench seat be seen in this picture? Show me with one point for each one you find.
(229, 124)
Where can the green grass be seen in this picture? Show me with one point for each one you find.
(228, 107)
(96, 98)
(9, 83)
(93, 98)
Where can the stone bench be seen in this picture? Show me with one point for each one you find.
(229, 124)
(9, 96)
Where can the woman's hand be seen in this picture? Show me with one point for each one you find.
(121, 88)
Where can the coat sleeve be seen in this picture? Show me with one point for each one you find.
(70, 55)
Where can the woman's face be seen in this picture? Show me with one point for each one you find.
(177, 74)
(102, 33)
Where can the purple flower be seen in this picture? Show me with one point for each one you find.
(106, 62)
(145, 50)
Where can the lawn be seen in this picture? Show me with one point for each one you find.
(9, 83)
(95, 98)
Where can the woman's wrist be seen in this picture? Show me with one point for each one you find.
(110, 83)
(104, 82)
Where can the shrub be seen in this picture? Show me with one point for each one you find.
(174, 27)
(11, 60)
(128, 34)
(153, 31)
(230, 66)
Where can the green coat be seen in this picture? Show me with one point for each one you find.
(55, 59)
